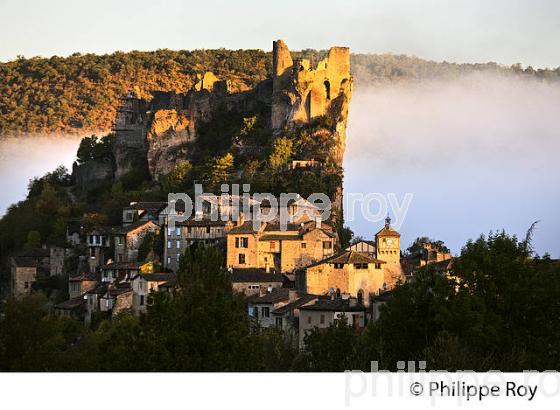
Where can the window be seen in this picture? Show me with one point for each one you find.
(92, 252)
(169, 232)
(141, 300)
(322, 319)
(140, 285)
(377, 266)
(208, 229)
(279, 322)
(242, 259)
(169, 245)
(303, 245)
(338, 265)
(272, 246)
(308, 320)
(178, 232)
(244, 242)
(168, 260)
(327, 244)
(265, 312)
(26, 285)
(360, 266)
(178, 244)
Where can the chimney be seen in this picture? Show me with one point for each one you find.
(292, 295)
(240, 219)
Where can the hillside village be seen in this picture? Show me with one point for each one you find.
(294, 278)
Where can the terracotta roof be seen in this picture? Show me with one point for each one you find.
(25, 262)
(245, 227)
(347, 257)
(388, 231)
(277, 227)
(241, 275)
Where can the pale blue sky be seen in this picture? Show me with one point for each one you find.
(505, 31)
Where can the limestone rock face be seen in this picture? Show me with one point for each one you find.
(167, 136)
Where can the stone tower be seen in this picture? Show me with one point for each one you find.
(388, 244)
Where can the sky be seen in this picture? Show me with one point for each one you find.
(504, 31)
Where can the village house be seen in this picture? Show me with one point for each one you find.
(98, 241)
(364, 247)
(261, 306)
(73, 307)
(128, 239)
(74, 231)
(142, 212)
(78, 285)
(324, 312)
(123, 271)
(348, 272)
(116, 299)
(254, 281)
(33, 264)
(23, 275)
(189, 233)
(145, 283)
(273, 249)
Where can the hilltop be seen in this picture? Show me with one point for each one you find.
(80, 93)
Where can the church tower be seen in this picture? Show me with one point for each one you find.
(388, 244)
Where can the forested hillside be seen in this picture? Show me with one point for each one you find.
(79, 93)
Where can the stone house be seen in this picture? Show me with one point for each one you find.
(98, 241)
(128, 239)
(260, 307)
(23, 275)
(348, 272)
(33, 264)
(74, 231)
(254, 281)
(325, 312)
(189, 233)
(145, 283)
(364, 247)
(142, 212)
(116, 299)
(123, 271)
(78, 285)
(73, 307)
(273, 249)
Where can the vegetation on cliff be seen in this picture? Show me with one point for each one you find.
(80, 93)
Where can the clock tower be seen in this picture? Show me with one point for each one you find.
(388, 244)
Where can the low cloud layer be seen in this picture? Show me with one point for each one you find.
(479, 153)
(22, 159)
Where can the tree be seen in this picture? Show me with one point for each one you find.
(33, 240)
(282, 151)
(220, 170)
(418, 245)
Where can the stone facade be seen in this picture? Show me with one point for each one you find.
(349, 273)
(273, 249)
(127, 240)
(23, 275)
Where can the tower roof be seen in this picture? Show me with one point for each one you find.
(387, 230)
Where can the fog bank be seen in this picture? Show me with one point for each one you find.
(24, 158)
(479, 153)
